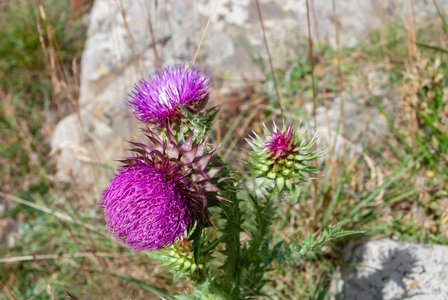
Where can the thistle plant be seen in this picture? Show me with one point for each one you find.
(175, 198)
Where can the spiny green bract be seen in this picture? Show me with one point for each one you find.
(180, 259)
(282, 156)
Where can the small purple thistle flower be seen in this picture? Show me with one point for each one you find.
(280, 144)
(144, 209)
(155, 101)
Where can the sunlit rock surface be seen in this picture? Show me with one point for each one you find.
(120, 49)
(385, 269)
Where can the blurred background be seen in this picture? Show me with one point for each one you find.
(369, 76)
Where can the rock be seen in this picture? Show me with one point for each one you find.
(120, 50)
(361, 123)
(66, 145)
(385, 269)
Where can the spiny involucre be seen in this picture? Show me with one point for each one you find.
(157, 99)
(159, 195)
(282, 156)
(180, 257)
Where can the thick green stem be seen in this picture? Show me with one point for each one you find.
(230, 281)
(263, 222)
(233, 247)
(255, 267)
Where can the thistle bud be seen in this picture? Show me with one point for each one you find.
(179, 258)
(282, 156)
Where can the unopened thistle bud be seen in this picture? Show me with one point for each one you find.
(282, 156)
(180, 257)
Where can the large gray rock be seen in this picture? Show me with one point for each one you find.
(361, 123)
(385, 269)
(119, 51)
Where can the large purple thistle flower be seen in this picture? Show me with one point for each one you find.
(156, 100)
(161, 193)
(144, 209)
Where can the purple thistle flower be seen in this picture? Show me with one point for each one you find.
(155, 101)
(160, 194)
(280, 144)
(144, 209)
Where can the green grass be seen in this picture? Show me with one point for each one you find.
(54, 219)
(28, 107)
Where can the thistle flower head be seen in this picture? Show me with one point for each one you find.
(279, 144)
(156, 101)
(145, 210)
(282, 155)
(161, 193)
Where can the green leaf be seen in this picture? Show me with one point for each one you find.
(196, 238)
(431, 47)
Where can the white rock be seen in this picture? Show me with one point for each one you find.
(361, 123)
(119, 51)
(385, 269)
(66, 144)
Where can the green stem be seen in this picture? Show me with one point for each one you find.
(263, 221)
(255, 263)
(232, 271)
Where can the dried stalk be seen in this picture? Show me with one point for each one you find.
(157, 60)
(313, 84)
(35, 257)
(203, 35)
(277, 93)
(340, 80)
(324, 93)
